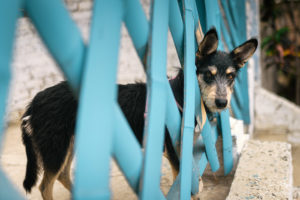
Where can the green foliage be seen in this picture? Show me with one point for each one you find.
(274, 38)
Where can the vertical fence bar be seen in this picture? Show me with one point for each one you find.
(156, 95)
(189, 103)
(202, 14)
(61, 36)
(241, 12)
(232, 28)
(227, 141)
(211, 152)
(213, 16)
(9, 13)
(97, 103)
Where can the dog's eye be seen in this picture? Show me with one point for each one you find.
(208, 75)
(230, 76)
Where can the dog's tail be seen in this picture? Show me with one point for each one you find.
(32, 167)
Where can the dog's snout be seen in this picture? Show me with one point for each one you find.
(221, 103)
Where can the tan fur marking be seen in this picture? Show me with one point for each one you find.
(230, 70)
(64, 176)
(213, 70)
(174, 171)
(237, 50)
(46, 186)
(199, 33)
(208, 93)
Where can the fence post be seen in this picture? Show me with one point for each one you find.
(154, 130)
(96, 112)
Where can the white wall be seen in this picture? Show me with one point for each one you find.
(34, 69)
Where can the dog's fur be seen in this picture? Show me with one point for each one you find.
(49, 121)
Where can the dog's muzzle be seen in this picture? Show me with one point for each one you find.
(221, 103)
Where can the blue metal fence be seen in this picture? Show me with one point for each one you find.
(95, 64)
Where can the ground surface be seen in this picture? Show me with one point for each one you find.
(13, 160)
(295, 152)
(263, 136)
(264, 172)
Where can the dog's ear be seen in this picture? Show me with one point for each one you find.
(243, 53)
(209, 44)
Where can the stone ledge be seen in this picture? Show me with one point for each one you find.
(276, 114)
(264, 172)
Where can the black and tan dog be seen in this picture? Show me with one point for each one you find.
(49, 121)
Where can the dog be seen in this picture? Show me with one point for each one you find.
(48, 124)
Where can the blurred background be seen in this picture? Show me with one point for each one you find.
(280, 43)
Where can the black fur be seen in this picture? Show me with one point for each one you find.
(52, 121)
(32, 164)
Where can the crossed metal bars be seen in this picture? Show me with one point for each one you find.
(91, 71)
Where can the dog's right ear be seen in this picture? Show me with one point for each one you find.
(209, 44)
(243, 53)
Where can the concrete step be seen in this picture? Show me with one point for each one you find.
(264, 172)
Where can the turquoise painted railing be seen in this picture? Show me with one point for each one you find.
(85, 66)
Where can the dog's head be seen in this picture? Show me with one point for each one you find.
(216, 70)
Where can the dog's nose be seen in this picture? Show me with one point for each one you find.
(221, 103)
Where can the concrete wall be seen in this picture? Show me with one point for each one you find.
(252, 14)
(264, 172)
(276, 115)
(34, 69)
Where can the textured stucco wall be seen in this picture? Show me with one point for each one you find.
(34, 69)
(274, 114)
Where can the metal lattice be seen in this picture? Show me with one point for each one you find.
(101, 126)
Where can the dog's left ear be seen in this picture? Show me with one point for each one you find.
(243, 53)
(209, 44)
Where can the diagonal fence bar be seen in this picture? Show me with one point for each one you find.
(9, 13)
(96, 112)
(61, 36)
